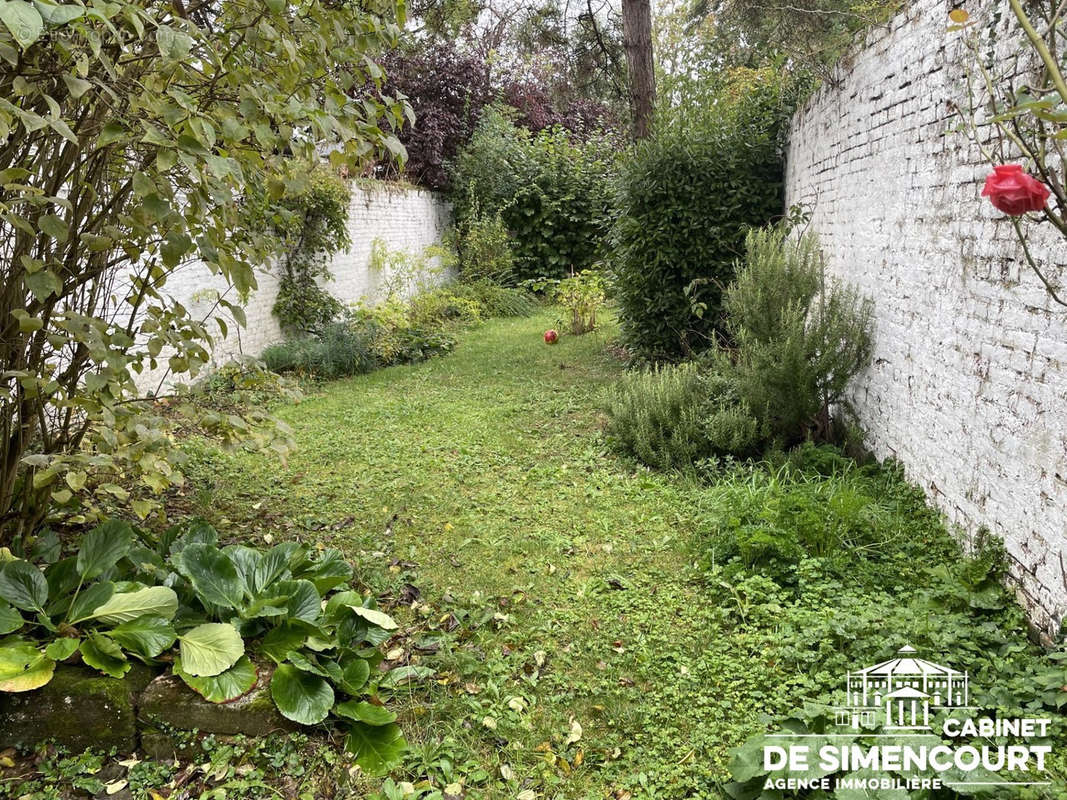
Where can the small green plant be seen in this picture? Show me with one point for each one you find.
(404, 274)
(676, 416)
(497, 300)
(582, 297)
(126, 595)
(655, 416)
(486, 251)
(340, 349)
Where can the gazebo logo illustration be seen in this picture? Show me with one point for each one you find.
(900, 693)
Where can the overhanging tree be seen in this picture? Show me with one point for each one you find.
(134, 137)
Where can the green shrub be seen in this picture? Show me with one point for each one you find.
(486, 251)
(799, 336)
(655, 416)
(442, 307)
(311, 222)
(686, 197)
(184, 602)
(497, 300)
(553, 194)
(339, 350)
(676, 416)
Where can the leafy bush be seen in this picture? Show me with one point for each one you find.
(800, 337)
(125, 595)
(686, 197)
(161, 129)
(655, 416)
(447, 90)
(486, 251)
(496, 300)
(582, 296)
(553, 193)
(311, 223)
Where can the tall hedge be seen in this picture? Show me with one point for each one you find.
(686, 198)
(552, 192)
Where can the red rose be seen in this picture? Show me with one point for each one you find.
(1014, 192)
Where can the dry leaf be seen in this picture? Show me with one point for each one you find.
(575, 734)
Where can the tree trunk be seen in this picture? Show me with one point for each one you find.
(637, 41)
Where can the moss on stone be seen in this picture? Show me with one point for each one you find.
(78, 708)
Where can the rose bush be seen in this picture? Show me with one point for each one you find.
(1014, 192)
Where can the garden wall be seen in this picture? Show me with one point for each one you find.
(968, 385)
(405, 218)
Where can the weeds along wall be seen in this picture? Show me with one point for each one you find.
(968, 382)
(405, 218)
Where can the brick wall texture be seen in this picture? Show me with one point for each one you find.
(968, 384)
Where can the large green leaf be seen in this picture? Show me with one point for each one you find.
(104, 654)
(354, 675)
(301, 696)
(213, 575)
(147, 635)
(88, 600)
(378, 748)
(160, 601)
(274, 565)
(23, 667)
(327, 571)
(303, 599)
(23, 586)
(280, 641)
(235, 682)
(22, 20)
(102, 548)
(210, 649)
(10, 619)
(55, 14)
(362, 711)
(375, 617)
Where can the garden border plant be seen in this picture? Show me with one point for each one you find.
(205, 608)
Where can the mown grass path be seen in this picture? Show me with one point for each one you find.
(575, 652)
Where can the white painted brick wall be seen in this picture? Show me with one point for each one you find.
(405, 218)
(968, 385)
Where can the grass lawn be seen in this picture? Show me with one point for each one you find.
(552, 588)
(583, 654)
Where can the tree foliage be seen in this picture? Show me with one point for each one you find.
(552, 193)
(447, 89)
(134, 137)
